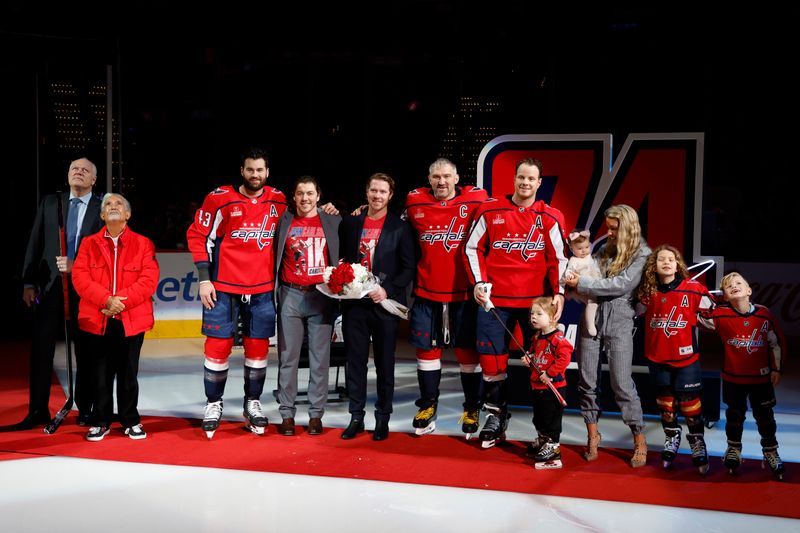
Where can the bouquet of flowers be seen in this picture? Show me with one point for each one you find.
(348, 281)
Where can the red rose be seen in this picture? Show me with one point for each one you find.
(340, 276)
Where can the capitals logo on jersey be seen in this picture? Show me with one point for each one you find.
(544, 357)
(527, 246)
(449, 237)
(752, 343)
(669, 324)
(259, 232)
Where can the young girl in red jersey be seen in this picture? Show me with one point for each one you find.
(754, 353)
(551, 352)
(673, 301)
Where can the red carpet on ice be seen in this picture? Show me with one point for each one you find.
(433, 460)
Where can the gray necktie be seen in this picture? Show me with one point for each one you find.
(72, 227)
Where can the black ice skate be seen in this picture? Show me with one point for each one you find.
(733, 457)
(549, 456)
(254, 419)
(773, 460)
(425, 420)
(469, 422)
(672, 443)
(211, 417)
(494, 430)
(699, 452)
(534, 447)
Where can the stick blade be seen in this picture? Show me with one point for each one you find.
(57, 420)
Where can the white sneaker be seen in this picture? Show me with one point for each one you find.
(136, 432)
(96, 433)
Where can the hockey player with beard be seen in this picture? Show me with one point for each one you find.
(231, 241)
(672, 302)
(443, 314)
(514, 254)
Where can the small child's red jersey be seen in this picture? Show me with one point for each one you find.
(552, 353)
(441, 227)
(671, 322)
(754, 342)
(232, 235)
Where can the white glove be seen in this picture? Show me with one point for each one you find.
(487, 290)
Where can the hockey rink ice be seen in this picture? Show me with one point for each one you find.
(73, 494)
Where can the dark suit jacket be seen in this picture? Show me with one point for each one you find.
(44, 243)
(394, 263)
(330, 227)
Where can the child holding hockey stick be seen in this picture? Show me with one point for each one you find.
(755, 349)
(673, 300)
(551, 352)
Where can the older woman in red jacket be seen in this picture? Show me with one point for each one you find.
(115, 274)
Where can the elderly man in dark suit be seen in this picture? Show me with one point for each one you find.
(41, 276)
(382, 242)
(308, 241)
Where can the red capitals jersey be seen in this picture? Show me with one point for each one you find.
(551, 353)
(232, 235)
(441, 227)
(519, 250)
(671, 322)
(754, 342)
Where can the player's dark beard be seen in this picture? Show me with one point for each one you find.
(253, 188)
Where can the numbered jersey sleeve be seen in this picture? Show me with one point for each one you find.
(232, 239)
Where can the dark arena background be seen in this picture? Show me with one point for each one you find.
(164, 96)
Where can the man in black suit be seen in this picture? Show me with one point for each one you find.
(41, 276)
(382, 242)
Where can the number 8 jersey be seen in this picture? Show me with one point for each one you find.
(232, 239)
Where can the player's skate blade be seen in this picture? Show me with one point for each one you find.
(430, 428)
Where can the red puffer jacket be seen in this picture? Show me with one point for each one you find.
(134, 269)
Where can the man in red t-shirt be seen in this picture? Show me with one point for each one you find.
(308, 241)
(382, 242)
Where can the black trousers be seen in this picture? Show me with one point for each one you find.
(360, 320)
(48, 325)
(116, 355)
(547, 414)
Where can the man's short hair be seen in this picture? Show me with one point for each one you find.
(532, 162)
(382, 177)
(255, 153)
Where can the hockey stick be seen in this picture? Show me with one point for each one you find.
(490, 308)
(62, 413)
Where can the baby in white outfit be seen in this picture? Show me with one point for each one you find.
(583, 264)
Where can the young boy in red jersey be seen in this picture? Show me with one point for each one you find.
(755, 350)
(673, 301)
(552, 352)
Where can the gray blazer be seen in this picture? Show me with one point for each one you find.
(615, 295)
(330, 227)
